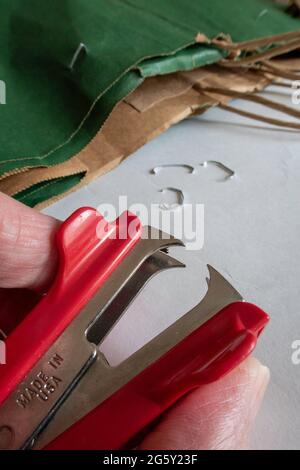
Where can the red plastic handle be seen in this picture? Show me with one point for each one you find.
(204, 356)
(90, 250)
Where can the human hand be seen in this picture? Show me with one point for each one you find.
(216, 416)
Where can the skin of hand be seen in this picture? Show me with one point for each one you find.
(216, 416)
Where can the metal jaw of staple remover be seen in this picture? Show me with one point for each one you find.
(61, 393)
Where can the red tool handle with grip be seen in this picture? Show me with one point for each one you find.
(88, 256)
(204, 356)
(89, 251)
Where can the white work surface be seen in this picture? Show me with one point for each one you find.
(252, 236)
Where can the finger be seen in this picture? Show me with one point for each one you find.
(27, 250)
(216, 416)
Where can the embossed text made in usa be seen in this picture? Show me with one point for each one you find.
(42, 386)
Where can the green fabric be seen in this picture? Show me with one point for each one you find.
(53, 111)
(36, 194)
(187, 59)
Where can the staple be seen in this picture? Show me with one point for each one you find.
(262, 13)
(180, 196)
(80, 49)
(230, 173)
(157, 169)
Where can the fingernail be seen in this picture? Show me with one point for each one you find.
(259, 376)
(263, 378)
(256, 370)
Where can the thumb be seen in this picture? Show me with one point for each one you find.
(216, 416)
(27, 250)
